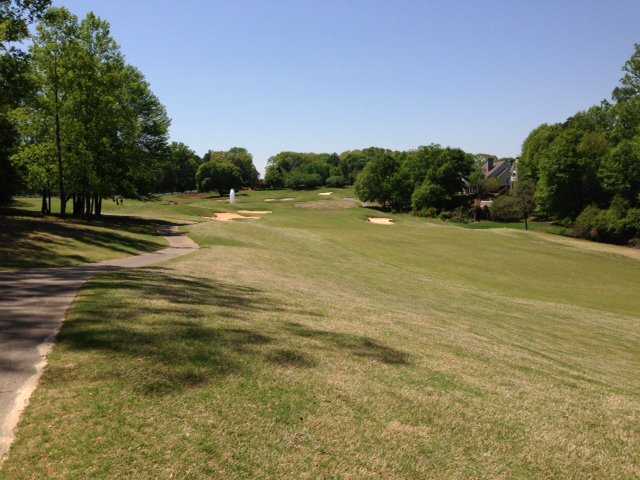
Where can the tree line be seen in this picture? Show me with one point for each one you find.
(587, 169)
(310, 170)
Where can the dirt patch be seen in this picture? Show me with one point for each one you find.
(288, 199)
(254, 212)
(325, 194)
(230, 216)
(381, 220)
(332, 205)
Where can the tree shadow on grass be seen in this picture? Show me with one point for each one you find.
(27, 239)
(168, 324)
(160, 333)
(358, 345)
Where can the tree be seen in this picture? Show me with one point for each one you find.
(178, 169)
(533, 148)
(107, 130)
(441, 173)
(242, 159)
(620, 170)
(630, 83)
(376, 182)
(15, 17)
(220, 176)
(524, 194)
(52, 56)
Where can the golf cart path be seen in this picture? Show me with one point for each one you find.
(33, 304)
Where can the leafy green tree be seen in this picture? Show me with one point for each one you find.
(428, 196)
(242, 159)
(533, 148)
(53, 52)
(220, 176)
(630, 83)
(524, 193)
(568, 179)
(377, 180)
(15, 86)
(620, 170)
(179, 169)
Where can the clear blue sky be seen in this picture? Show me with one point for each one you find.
(330, 75)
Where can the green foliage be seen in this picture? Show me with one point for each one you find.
(218, 175)
(429, 196)
(336, 181)
(178, 169)
(333, 170)
(430, 177)
(617, 224)
(379, 179)
(533, 148)
(239, 157)
(620, 169)
(589, 160)
(299, 180)
(15, 85)
(630, 83)
(94, 115)
(506, 208)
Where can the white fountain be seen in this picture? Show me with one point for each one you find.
(232, 196)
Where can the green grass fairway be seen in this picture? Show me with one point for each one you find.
(313, 344)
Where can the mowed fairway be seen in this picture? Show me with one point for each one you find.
(313, 344)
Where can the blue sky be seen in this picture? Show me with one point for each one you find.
(331, 75)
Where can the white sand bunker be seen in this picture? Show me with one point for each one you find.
(288, 199)
(381, 220)
(254, 212)
(229, 216)
(325, 194)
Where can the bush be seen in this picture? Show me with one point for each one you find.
(614, 225)
(220, 176)
(506, 208)
(336, 181)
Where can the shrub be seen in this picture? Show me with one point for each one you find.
(614, 225)
(506, 208)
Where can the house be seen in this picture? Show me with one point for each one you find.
(504, 170)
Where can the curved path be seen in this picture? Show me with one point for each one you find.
(33, 304)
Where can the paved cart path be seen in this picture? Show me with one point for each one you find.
(33, 304)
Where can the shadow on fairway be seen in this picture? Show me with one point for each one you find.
(27, 239)
(177, 330)
(358, 345)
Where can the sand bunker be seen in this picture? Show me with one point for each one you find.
(229, 216)
(381, 220)
(254, 212)
(325, 194)
(288, 199)
(328, 205)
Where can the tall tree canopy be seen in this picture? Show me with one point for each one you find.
(241, 159)
(15, 17)
(93, 123)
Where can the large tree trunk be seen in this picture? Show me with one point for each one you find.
(98, 205)
(43, 207)
(63, 200)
